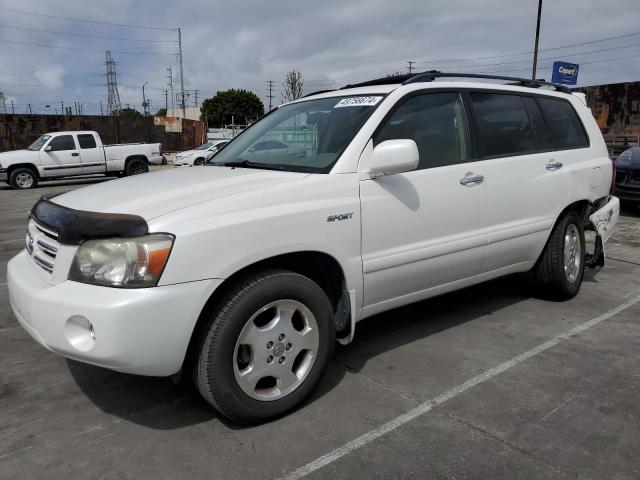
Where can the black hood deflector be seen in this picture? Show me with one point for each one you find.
(74, 226)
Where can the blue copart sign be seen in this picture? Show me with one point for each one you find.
(565, 73)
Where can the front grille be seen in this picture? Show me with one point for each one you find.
(42, 246)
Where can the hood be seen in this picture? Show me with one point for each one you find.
(629, 159)
(154, 194)
(15, 156)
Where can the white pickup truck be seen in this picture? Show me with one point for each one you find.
(69, 154)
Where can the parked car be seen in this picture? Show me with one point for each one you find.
(200, 155)
(628, 176)
(245, 272)
(69, 154)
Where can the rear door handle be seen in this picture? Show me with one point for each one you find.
(75, 154)
(471, 180)
(554, 165)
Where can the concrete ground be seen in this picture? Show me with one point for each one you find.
(483, 383)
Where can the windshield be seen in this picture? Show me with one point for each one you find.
(205, 146)
(37, 145)
(308, 136)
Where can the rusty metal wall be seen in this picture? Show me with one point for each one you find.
(616, 107)
(19, 131)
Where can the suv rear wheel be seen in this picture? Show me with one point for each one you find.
(265, 347)
(23, 179)
(560, 269)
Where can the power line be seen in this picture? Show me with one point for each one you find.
(87, 36)
(530, 52)
(82, 49)
(545, 58)
(83, 20)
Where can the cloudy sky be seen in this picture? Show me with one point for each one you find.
(50, 58)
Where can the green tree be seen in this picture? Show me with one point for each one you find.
(232, 105)
(130, 113)
(161, 113)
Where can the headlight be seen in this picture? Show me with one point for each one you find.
(122, 262)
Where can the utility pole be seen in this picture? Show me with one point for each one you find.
(13, 110)
(535, 50)
(170, 85)
(145, 108)
(410, 67)
(101, 111)
(166, 101)
(270, 96)
(62, 107)
(195, 93)
(4, 104)
(182, 105)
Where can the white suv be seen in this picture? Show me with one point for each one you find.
(245, 272)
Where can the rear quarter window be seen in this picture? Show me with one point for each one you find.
(564, 125)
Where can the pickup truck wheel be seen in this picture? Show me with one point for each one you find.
(198, 161)
(560, 269)
(265, 347)
(136, 167)
(23, 179)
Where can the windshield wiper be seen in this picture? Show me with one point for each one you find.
(250, 164)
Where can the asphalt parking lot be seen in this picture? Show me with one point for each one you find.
(483, 383)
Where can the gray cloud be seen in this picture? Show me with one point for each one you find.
(244, 44)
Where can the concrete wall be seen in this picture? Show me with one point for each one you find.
(19, 131)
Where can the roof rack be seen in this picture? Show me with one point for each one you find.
(431, 75)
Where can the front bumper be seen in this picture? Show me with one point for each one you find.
(142, 331)
(4, 176)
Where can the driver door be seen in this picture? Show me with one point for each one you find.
(60, 157)
(423, 229)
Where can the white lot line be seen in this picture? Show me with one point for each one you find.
(427, 406)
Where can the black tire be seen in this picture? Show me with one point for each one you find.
(198, 162)
(23, 179)
(136, 166)
(551, 279)
(213, 366)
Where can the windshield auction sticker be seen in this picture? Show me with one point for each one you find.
(358, 102)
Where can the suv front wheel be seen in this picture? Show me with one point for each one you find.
(560, 269)
(265, 346)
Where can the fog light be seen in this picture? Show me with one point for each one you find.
(79, 333)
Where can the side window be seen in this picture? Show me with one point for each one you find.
(61, 143)
(563, 122)
(86, 140)
(437, 123)
(504, 127)
(539, 125)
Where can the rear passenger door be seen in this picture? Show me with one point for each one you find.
(92, 156)
(423, 229)
(525, 181)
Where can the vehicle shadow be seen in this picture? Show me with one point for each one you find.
(630, 209)
(159, 404)
(63, 183)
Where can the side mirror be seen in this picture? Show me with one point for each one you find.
(394, 156)
(47, 148)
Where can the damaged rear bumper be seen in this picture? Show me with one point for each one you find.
(603, 221)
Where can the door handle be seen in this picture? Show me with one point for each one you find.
(554, 165)
(471, 180)
(75, 154)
